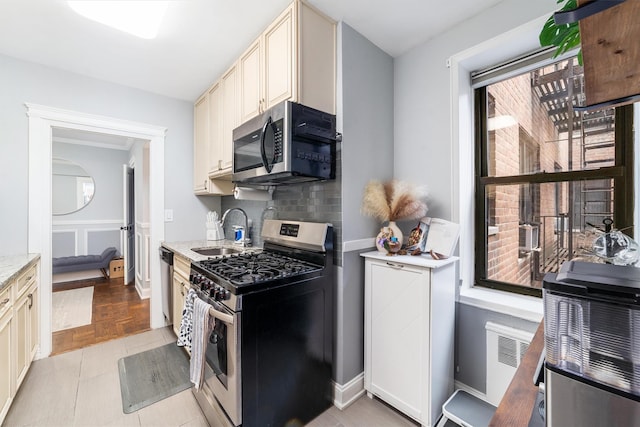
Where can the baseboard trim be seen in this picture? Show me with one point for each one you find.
(144, 293)
(472, 391)
(345, 395)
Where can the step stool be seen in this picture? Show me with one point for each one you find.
(466, 410)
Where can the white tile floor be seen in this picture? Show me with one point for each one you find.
(82, 388)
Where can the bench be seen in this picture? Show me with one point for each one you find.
(85, 262)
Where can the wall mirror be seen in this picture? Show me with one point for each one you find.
(72, 187)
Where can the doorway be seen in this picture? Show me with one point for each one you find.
(90, 307)
(41, 122)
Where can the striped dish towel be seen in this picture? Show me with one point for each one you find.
(202, 323)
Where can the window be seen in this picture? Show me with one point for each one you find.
(546, 173)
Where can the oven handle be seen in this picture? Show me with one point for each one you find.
(226, 318)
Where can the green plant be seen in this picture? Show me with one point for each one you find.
(565, 36)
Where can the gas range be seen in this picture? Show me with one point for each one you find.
(273, 329)
(293, 251)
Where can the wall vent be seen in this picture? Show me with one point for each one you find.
(505, 348)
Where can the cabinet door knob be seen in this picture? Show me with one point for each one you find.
(4, 302)
(30, 296)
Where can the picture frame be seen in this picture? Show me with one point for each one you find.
(418, 236)
(443, 237)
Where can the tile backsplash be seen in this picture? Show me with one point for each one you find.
(316, 201)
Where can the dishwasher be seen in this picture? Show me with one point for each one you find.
(166, 277)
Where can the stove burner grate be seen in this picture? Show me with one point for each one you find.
(243, 269)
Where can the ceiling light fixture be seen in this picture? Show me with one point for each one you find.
(140, 18)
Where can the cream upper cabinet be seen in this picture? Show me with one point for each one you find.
(207, 147)
(215, 128)
(201, 145)
(251, 82)
(294, 59)
(230, 117)
(279, 59)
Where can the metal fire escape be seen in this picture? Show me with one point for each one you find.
(559, 92)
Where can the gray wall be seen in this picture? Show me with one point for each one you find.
(471, 344)
(105, 166)
(22, 82)
(368, 122)
(366, 110)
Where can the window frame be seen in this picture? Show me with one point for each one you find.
(622, 173)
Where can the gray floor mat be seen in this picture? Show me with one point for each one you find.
(152, 375)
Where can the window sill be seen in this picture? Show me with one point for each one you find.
(522, 306)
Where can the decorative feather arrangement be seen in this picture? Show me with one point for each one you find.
(393, 200)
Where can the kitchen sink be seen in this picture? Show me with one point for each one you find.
(216, 251)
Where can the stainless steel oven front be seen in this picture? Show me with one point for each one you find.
(222, 383)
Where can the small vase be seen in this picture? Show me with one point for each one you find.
(386, 233)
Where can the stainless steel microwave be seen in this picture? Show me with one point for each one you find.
(287, 144)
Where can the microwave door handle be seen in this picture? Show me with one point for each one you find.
(224, 317)
(265, 162)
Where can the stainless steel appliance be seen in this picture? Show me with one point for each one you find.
(592, 341)
(166, 280)
(270, 354)
(289, 143)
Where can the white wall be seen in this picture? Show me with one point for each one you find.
(22, 82)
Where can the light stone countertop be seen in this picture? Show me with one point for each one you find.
(11, 266)
(183, 249)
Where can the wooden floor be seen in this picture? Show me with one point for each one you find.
(118, 311)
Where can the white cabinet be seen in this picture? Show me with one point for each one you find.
(293, 59)
(409, 332)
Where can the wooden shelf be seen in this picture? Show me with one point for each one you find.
(611, 54)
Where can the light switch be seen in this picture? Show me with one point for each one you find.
(168, 215)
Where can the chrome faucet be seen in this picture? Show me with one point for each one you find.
(245, 240)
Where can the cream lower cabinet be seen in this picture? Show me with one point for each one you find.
(6, 358)
(27, 328)
(409, 333)
(19, 333)
(182, 269)
(180, 289)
